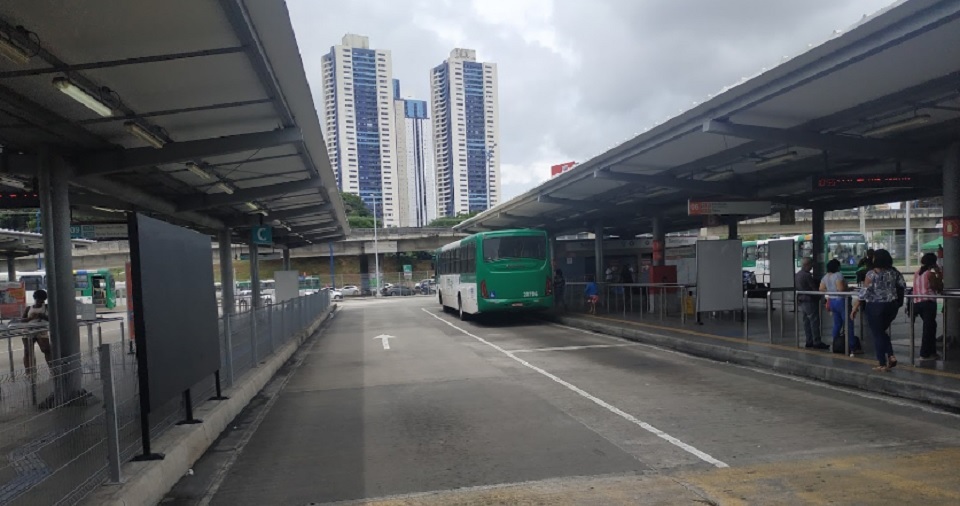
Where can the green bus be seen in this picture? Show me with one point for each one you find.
(847, 247)
(97, 287)
(507, 270)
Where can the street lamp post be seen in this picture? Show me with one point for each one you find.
(376, 248)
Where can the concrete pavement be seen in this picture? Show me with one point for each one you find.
(505, 411)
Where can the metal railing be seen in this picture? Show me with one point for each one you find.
(61, 448)
(768, 297)
(911, 298)
(847, 307)
(621, 297)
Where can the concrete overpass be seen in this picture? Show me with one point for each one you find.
(837, 221)
(359, 242)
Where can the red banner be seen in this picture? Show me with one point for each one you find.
(951, 227)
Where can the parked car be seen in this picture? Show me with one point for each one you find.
(336, 294)
(426, 287)
(398, 290)
(350, 291)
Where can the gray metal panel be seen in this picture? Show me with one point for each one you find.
(175, 307)
(719, 276)
(782, 263)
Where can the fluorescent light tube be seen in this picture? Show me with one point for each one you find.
(80, 95)
(144, 134)
(225, 188)
(12, 52)
(251, 206)
(899, 125)
(199, 171)
(776, 160)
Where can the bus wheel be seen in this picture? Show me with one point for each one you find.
(463, 316)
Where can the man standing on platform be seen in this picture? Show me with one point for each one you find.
(809, 304)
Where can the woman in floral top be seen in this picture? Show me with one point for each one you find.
(879, 292)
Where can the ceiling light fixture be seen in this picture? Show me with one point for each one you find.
(199, 171)
(899, 125)
(144, 134)
(251, 206)
(13, 52)
(776, 160)
(80, 95)
(225, 188)
(108, 209)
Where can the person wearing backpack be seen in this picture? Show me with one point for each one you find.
(927, 281)
(834, 282)
(883, 292)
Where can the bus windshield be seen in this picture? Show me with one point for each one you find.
(511, 247)
(848, 253)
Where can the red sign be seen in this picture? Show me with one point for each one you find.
(951, 227)
(561, 168)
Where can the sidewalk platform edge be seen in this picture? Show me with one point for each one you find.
(146, 483)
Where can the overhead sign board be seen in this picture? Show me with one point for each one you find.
(99, 231)
(834, 182)
(262, 236)
(729, 207)
(19, 200)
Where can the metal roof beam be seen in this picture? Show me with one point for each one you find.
(118, 161)
(300, 212)
(57, 68)
(858, 146)
(583, 205)
(198, 202)
(691, 185)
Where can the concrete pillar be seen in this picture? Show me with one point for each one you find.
(660, 241)
(286, 259)
(11, 269)
(732, 228)
(554, 261)
(908, 237)
(255, 302)
(818, 247)
(53, 181)
(226, 273)
(951, 245)
(333, 269)
(598, 252)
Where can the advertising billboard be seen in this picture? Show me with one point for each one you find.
(558, 169)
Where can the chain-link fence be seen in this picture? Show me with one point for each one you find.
(61, 423)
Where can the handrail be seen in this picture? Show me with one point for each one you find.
(852, 293)
(662, 294)
(913, 329)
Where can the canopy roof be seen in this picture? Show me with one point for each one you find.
(219, 85)
(882, 97)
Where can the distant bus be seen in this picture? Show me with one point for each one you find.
(508, 270)
(847, 247)
(96, 287)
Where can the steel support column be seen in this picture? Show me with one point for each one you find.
(733, 226)
(818, 231)
(255, 301)
(951, 244)
(226, 272)
(11, 268)
(286, 259)
(53, 181)
(598, 252)
(659, 238)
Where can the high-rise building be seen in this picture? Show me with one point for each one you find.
(416, 172)
(466, 132)
(359, 124)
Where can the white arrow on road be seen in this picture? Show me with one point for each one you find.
(385, 339)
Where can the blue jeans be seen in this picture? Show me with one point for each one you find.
(837, 309)
(879, 317)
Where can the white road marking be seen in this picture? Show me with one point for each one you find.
(865, 395)
(575, 348)
(606, 405)
(385, 339)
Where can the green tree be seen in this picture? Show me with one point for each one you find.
(451, 221)
(353, 205)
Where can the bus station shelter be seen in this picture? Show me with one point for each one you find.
(197, 113)
(870, 116)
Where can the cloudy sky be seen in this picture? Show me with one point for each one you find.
(578, 76)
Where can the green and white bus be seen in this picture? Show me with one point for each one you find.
(507, 270)
(847, 247)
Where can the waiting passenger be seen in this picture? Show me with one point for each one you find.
(809, 304)
(36, 313)
(927, 281)
(834, 282)
(881, 291)
(593, 295)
